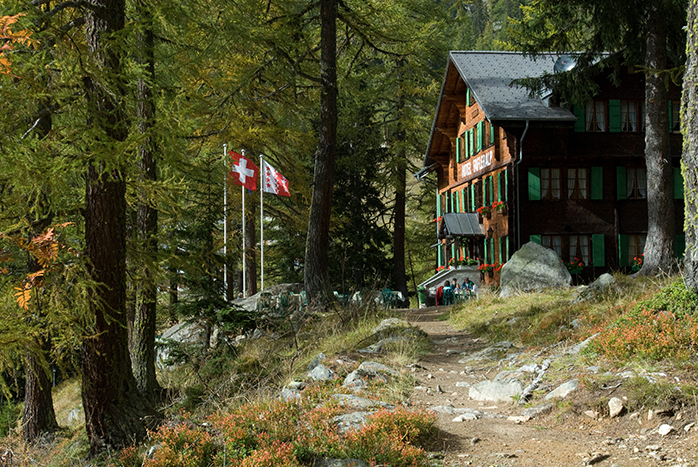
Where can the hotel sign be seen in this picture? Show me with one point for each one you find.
(477, 163)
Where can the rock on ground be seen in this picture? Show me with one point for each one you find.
(531, 269)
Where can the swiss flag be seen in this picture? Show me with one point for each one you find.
(273, 181)
(243, 171)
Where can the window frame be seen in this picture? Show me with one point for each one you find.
(596, 116)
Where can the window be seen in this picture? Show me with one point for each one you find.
(636, 246)
(596, 116)
(628, 116)
(550, 183)
(569, 247)
(554, 242)
(579, 248)
(636, 183)
(577, 183)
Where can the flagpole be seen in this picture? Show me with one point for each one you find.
(244, 256)
(225, 225)
(261, 214)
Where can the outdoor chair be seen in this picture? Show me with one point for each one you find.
(388, 299)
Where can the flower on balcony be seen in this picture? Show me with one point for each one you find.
(484, 210)
(471, 261)
(637, 262)
(575, 266)
(452, 262)
(499, 206)
(437, 219)
(498, 267)
(440, 268)
(484, 267)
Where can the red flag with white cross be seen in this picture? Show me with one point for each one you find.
(243, 171)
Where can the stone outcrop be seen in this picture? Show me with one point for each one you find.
(532, 269)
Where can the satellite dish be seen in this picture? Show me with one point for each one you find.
(564, 63)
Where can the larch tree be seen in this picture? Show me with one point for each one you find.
(144, 326)
(116, 413)
(689, 129)
(316, 279)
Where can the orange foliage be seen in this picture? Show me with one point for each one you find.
(44, 248)
(10, 38)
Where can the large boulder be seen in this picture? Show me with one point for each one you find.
(268, 300)
(532, 269)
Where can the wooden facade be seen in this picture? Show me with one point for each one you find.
(569, 178)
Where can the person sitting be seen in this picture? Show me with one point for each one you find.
(448, 295)
(468, 285)
(439, 296)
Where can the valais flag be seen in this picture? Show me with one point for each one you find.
(243, 171)
(274, 182)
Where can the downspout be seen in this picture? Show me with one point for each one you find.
(518, 187)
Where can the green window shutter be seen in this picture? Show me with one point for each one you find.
(623, 250)
(505, 192)
(678, 183)
(614, 115)
(492, 130)
(533, 184)
(621, 188)
(486, 244)
(479, 136)
(500, 183)
(457, 149)
(450, 195)
(507, 252)
(453, 250)
(468, 98)
(472, 197)
(484, 191)
(535, 239)
(580, 124)
(471, 142)
(501, 250)
(680, 245)
(599, 250)
(439, 260)
(438, 204)
(490, 186)
(466, 146)
(597, 183)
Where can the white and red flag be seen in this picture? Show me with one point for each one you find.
(243, 171)
(273, 181)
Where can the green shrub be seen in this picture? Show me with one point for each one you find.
(9, 415)
(674, 298)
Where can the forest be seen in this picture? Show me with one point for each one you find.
(112, 168)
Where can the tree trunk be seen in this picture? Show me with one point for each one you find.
(659, 247)
(250, 253)
(38, 416)
(317, 280)
(399, 275)
(143, 346)
(115, 413)
(689, 128)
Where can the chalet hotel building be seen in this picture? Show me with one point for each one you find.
(512, 168)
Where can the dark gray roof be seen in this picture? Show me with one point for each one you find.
(463, 224)
(489, 76)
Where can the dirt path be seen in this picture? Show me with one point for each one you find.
(564, 436)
